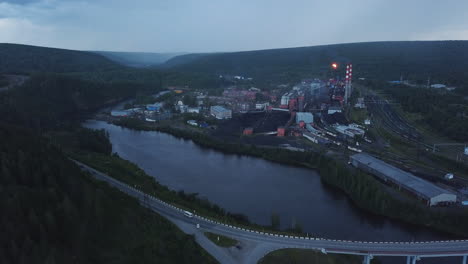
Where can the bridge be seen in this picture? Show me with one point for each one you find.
(261, 243)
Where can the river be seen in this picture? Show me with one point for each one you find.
(257, 188)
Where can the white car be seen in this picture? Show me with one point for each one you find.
(188, 214)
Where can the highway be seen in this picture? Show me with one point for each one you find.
(255, 244)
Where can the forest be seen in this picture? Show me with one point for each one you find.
(442, 61)
(52, 100)
(443, 111)
(52, 212)
(24, 59)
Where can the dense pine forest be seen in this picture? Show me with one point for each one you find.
(52, 212)
(16, 58)
(442, 61)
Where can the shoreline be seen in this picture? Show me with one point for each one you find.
(332, 173)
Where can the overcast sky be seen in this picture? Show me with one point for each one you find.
(225, 25)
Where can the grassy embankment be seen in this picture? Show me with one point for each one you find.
(220, 240)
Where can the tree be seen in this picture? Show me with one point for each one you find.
(190, 100)
(275, 221)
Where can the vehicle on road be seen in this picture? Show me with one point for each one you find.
(188, 214)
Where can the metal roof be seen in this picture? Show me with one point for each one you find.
(408, 180)
(304, 116)
(219, 108)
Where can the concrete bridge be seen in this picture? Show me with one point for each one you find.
(256, 244)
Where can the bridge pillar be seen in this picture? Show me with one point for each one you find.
(411, 259)
(367, 259)
(464, 259)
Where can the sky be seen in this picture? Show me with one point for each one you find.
(225, 25)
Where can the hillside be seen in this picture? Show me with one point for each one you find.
(54, 213)
(15, 58)
(138, 59)
(444, 61)
(48, 101)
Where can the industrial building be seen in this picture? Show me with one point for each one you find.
(117, 113)
(220, 112)
(195, 110)
(334, 109)
(285, 100)
(428, 192)
(154, 107)
(305, 117)
(352, 130)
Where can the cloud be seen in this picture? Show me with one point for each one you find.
(224, 25)
(14, 30)
(449, 34)
(19, 2)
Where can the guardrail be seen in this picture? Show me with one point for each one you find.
(140, 194)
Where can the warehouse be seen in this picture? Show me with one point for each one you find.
(430, 193)
(118, 113)
(220, 112)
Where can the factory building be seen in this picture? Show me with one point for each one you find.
(305, 117)
(195, 110)
(426, 191)
(261, 106)
(352, 130)
(285, 100)
(154, 107)
(119, 113)
(220, 112)
(334, 109)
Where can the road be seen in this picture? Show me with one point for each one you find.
(255, 244)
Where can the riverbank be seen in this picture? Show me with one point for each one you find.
(365, 191)
(132, 175)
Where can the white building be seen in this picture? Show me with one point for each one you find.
(193, 110)
(261, 106)
(306, 117)
(350, 130)
(438, 86)
(220, 112)
(334, 109)
(192, 122)
(285, 99)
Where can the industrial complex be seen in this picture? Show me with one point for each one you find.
(310, 115)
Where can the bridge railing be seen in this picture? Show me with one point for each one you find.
(140, 193)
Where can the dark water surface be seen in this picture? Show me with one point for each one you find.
(258, 188)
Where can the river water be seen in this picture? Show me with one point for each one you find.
(258, 188)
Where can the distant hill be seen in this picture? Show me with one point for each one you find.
(185, 59)
(138, 59)
(444, 61)
(15, 58)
